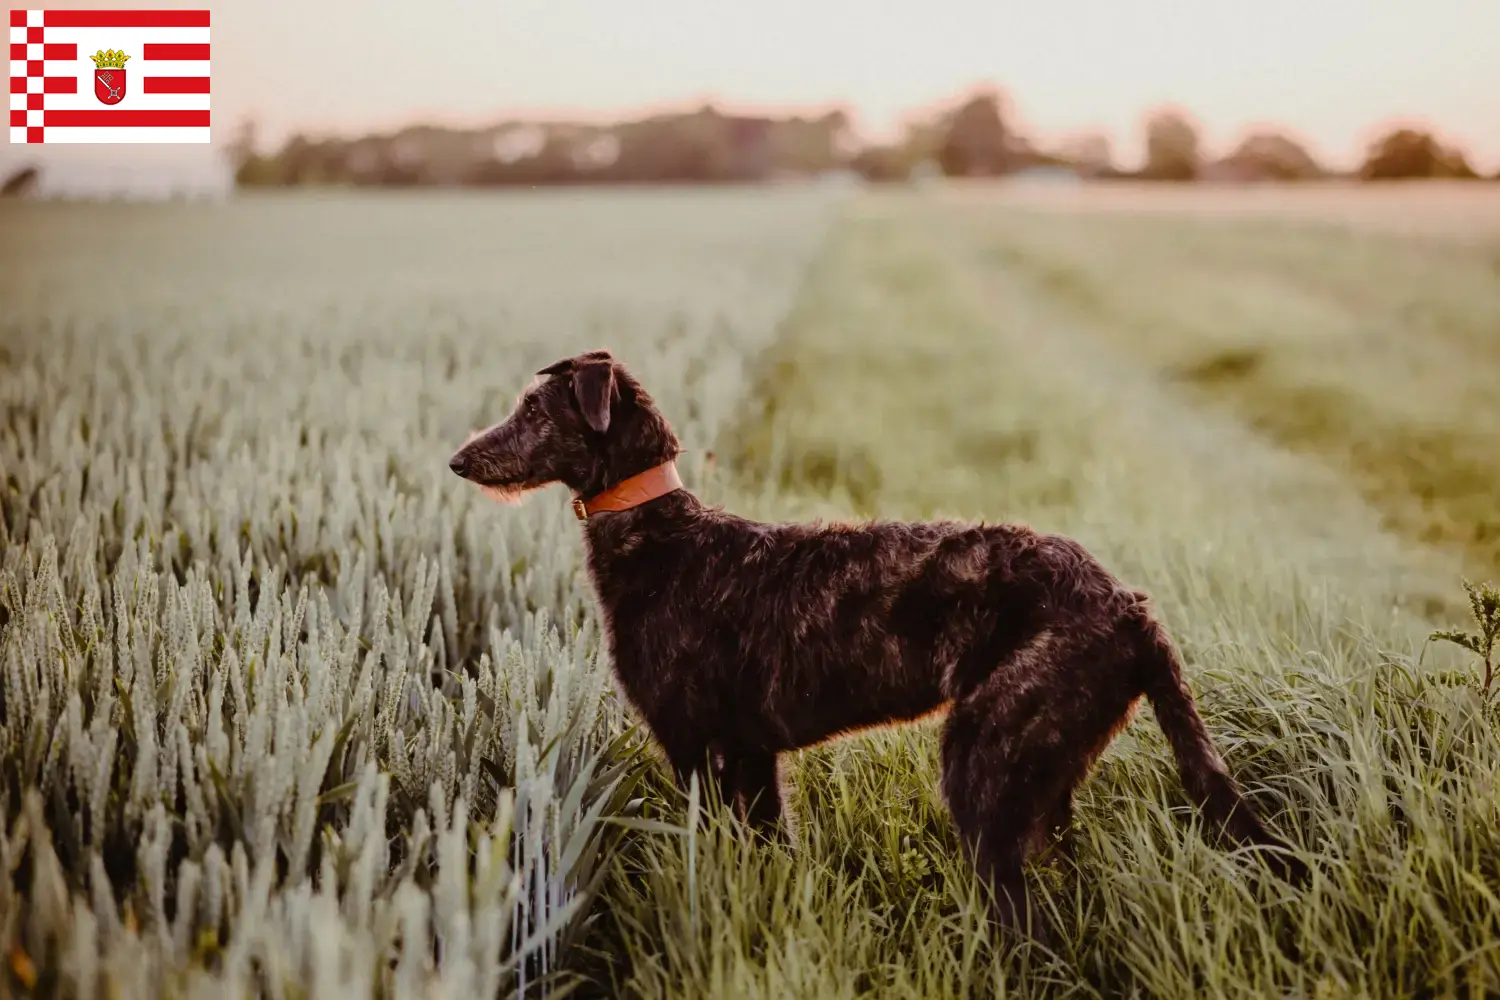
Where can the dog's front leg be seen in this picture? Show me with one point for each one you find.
(689, 755)
(747, 779)
(752, 788)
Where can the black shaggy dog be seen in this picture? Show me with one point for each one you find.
(738, 641)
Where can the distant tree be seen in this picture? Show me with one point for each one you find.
(300, 161)
(883, 164)
(241, 145)
(1408, 153)
(297, 162)
(1172, 147)
(1021, 153)
(248, 166)
(597, 153)
(975, 143)
(846, 141)
(683, 148)
(1266, 155)
(1090, 154)
(553, 163)
(1401, 154)
(21, 182)
(923, 138)
(1455, 164)
(806, 145)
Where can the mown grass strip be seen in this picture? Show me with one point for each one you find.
(1377, 356)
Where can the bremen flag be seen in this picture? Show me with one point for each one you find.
(109, 76)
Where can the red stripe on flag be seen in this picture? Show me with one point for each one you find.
(18, 85)
(18, 119)
(18, 51)
(175, 85)
(180, 52)
(124, 18)
(60, 85)
(60, 50)
(105, 118)
(18, 19)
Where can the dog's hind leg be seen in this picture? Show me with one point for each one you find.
(990, 784)
(1059, 827)
(1016, 746)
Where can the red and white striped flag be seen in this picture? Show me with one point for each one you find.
(109, 76)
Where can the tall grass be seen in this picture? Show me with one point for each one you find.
(283, 707)
(975, 393)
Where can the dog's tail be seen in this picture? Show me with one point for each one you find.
(1204, 775)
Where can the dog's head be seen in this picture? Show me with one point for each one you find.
(583, 421)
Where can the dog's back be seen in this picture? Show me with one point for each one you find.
(796, 632)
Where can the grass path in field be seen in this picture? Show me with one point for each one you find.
(1002, 401)
(1376, 354)
(911, 382)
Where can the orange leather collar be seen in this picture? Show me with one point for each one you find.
(654, 482)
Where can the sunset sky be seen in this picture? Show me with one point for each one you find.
(1331, 72)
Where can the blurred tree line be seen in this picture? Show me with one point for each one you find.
(973, 137)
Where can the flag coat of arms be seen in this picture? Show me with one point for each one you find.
(109, 76)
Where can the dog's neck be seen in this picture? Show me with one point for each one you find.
(657, 481)
(640, 439)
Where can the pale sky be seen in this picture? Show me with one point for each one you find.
(1332, 72)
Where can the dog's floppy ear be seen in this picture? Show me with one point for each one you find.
(567, 365)
(594, 387)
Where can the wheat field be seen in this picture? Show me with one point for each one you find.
(286, 710)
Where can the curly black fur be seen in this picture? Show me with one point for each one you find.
(738, 641)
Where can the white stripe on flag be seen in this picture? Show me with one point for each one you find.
(129, 39)
(106, 135)
(135, 99)
(156, 67)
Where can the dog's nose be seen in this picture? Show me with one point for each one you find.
(459, 464)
